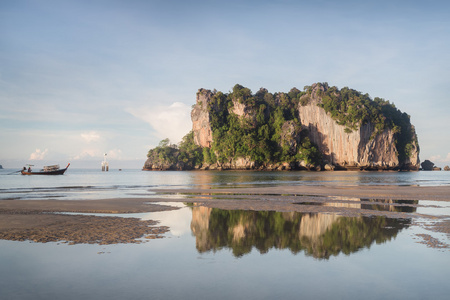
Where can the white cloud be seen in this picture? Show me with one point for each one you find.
(98, 154)
(173, 121)
(88, 153)
(438, 159)
(435, 158)
(91, 136)
(38, 154)
(114, 154)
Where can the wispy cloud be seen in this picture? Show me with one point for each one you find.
(439, 160)
(171, 121)
(88, 153)
(114, 154)
(38, 154)
(91, 136)
(97, 153)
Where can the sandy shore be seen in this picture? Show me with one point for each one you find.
(38, 220)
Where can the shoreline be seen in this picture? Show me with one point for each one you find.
(39, 221)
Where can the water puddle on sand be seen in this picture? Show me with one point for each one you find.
(406, 206)
(420, 207)
(243, 230)
(434, 208)
(276, 253)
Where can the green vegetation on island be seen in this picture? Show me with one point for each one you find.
(265, 128)
(184, 156)
(258, 135)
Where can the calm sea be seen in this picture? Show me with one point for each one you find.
(85, 184)
(222, 254)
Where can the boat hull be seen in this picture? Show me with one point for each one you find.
(55, 172)
(58, 172)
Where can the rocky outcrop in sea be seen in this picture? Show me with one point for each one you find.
(294, 131)
(363, 148)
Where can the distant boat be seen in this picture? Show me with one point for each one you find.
(47, 170)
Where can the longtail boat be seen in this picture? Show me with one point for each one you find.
(47, 170)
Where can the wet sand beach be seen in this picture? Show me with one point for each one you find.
(42, 221)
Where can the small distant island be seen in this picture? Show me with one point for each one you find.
(1, 167)
(319, 128)
(429, 166)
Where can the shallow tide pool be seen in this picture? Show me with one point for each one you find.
(221, 254)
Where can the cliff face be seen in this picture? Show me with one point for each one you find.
(358, 148)
(290, 136)
(201, 120)
(244, 112)
(413, 163)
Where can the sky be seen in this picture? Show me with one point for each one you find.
(80, 78)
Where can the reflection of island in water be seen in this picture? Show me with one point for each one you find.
(320, 235)
(388, 205)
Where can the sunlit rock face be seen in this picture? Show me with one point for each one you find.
(242, 110)
(354, 149)
(201, 120)
(290, 136)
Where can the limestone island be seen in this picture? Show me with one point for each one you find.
(319, 128)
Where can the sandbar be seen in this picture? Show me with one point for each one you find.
(42, 221)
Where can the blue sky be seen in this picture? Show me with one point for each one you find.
(83, 78)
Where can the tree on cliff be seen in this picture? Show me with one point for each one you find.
(190, 153)
(184, 156)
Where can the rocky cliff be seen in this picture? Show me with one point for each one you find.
(201, 121)
(360, 148)
(319, 128)
(360, 145)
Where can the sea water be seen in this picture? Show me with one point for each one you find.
(85, 184)
(383, 260)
